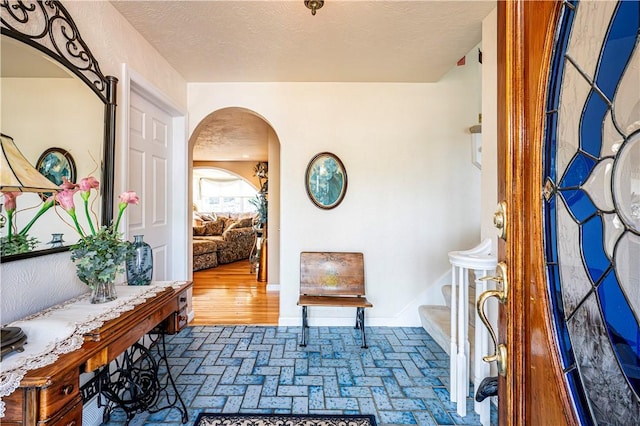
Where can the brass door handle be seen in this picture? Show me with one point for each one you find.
(501, 293)
(500, 219)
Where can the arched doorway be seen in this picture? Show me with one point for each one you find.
(240, 141)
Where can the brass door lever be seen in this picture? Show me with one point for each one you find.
(501, 293)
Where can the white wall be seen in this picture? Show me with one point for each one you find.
(490, 143)
(413, 194)
(273, 224)
(28, 286)
(489, 199)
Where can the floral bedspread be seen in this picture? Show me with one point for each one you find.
(61, 328)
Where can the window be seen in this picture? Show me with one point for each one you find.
(218, 191)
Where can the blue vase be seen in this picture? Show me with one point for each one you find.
(140, 263)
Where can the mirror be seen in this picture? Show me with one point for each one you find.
(55, 101)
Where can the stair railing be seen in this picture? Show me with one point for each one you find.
(480, 260)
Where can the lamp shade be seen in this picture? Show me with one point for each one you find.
(17, 174)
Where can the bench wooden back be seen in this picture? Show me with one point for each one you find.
(331, 274)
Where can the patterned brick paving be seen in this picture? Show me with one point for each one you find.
(402, 378)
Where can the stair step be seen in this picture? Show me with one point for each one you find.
(436, 320)
(446, 292)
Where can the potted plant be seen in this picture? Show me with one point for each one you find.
(100, 253)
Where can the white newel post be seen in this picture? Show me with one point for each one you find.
(481, 369)
(453, 352)
(479, 260)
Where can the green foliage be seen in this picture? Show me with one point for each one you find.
(18, 243)
(261, 206)
(100, 257)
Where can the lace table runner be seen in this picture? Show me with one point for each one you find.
(61, 328)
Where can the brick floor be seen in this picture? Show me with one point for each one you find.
(402, 378)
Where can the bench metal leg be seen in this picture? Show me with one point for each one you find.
(360, 325)
(305, 327)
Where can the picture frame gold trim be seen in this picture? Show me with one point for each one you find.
(326, 180)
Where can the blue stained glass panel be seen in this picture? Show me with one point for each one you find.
(595, 258)
(579, 204)
(555, 288)
(578, 171)
(622, 326)
(550, 247)
(591, 124)
(577, 390)
(550, 153)
(619, 44)
(567, 16)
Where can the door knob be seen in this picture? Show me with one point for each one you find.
(501, 293)
(500, 219)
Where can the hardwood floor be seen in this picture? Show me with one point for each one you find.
(230, 295)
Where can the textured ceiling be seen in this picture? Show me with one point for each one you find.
(232, 134)
(280, 41)
(347, 41)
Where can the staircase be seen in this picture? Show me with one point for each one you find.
(436, 319)
(457, 328)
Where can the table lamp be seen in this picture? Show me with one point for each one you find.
(17, 174)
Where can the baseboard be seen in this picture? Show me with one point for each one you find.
(349, 322)
(273, 287)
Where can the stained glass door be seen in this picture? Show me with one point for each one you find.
(591, 206)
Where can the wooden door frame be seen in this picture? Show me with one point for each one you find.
(534, 390)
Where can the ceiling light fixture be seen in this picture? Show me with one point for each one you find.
(314, 5)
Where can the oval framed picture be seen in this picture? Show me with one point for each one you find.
(326, 180)
(55, 164)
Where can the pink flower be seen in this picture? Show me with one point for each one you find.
(67, 185)
(10, 200)
(129, 197)
(126, 198)
(65, 198)
(89, 183)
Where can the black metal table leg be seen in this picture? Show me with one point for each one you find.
(135, 386)
(305, 327)
(360, 321)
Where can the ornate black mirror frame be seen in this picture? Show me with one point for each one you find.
(48, 27)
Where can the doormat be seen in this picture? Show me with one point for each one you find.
(222, 419)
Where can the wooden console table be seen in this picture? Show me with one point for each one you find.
(51, 395)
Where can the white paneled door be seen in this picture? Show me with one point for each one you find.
(150, 145)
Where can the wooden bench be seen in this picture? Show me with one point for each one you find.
(332, 279)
